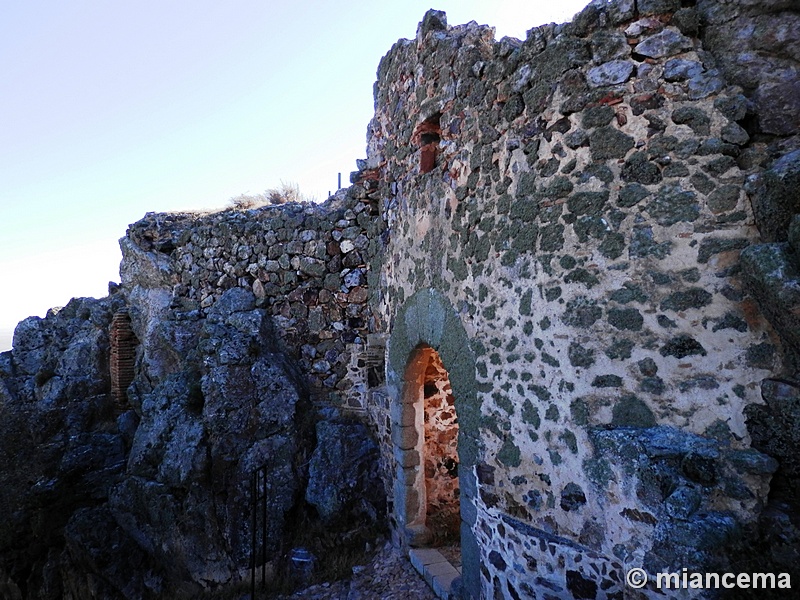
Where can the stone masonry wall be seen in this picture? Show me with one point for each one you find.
(584, 216)
(307, 264)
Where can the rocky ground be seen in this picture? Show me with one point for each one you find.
(388, 576)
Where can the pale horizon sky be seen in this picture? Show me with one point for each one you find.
(111, 110)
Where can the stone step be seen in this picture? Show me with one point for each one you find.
(435, 569)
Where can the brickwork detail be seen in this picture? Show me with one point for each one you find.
(123, 357)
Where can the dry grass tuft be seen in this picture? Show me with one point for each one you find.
(285, 192)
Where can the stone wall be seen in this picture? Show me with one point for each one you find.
(307, 264)
(583, 217)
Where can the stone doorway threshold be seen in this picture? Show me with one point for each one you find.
(435, 569)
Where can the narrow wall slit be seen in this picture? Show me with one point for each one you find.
(427, 136)
(122, 361)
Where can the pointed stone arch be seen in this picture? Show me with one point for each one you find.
(428, 320)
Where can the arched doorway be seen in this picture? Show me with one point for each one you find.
(430, 403)
(427, 325)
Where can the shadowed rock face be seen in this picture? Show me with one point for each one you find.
(156, 503)
(757, 47)
(58, 448)
(202, 432)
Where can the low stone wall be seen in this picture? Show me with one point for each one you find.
(307, 264)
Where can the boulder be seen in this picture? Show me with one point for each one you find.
(343, 480)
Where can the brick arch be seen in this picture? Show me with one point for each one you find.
(428, 320)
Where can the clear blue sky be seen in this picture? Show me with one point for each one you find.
(114, 109)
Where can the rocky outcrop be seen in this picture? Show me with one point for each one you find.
(344, 474)
(156, 501)
(202, 432)
(757, 46)
(773, 273)
(58, 445)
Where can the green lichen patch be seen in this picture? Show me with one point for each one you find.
(557, 187)
(587, 203)
(525, 303)
(582, 312)
(567, 262)
(637, 169)
(580, 356)
(582, 276)
(626, 319)
(684, 300)
(672, 204)
(579, 411)
(730, 321)
(503, 402)
(760, 356)
(597, 116)
(693, 117)
(509, 454)
(643, 244)
(551, 238)
(526, 186)
(712, 246)
(630, 195)
(525, 210)
(652, 385)
(691, 275)
(599, 472)
(720, 166)
(682, 346)
(550, 360)
(590, 226)
(723, 199)
(613, 245)
(630, 411)
(526, 240)
(607, 381)
(620, 349)
(530, 414)
(647, 366)
(597, 170)
(457, 267)
(570, 440)
(541, 392)
(552, 294)
(629, 292)
(608, 142)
